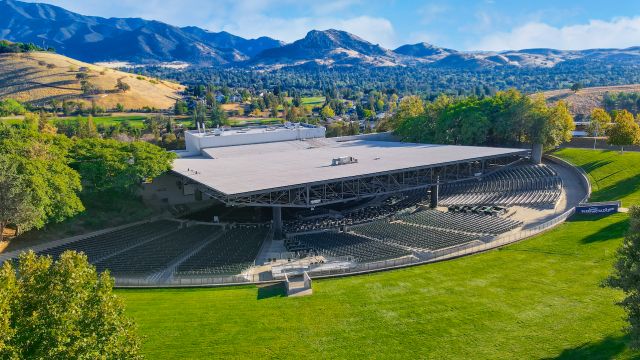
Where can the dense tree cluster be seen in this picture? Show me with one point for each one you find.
(629, 101)
(426, 81)
(18, 47)
(619, 126)
(11, 107)
(38, 185)
(43, 172)
(508, 118)
(62, 310)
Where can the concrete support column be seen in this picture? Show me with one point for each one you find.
(435, 189)
(277, 222)
(536, 153)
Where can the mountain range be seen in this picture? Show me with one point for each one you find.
(140, 41)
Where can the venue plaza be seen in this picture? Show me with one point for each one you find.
(269, 203)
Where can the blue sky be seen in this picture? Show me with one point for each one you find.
(459, 24)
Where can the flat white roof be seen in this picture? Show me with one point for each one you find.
(253, 168)
(250, 130)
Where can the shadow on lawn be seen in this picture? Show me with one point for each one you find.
(611, 231)
(619, 189)
(608, 348)
(590, 166)
(271, 290)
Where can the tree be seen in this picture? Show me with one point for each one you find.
(599, 122)
(67, 107)
(16, 205)
(218, 116)
(550, 126)
(410, 106)
(576, 87)
(11, 107)
(89, 88)
(154, 124)
(180, 107)
(87, 128)
(327, 112)
(122, 86)
(199, 113)
(626, 275)
(62, 310)
(106, 164)
(297, 101)
(41, 171)
(624, 131)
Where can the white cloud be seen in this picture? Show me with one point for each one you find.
(330, 7)
(373, 29)
(431, 12)
(618, 33)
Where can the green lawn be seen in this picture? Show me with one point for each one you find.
(135, 121)
(540, 298)
(613, 175)
(313, 100)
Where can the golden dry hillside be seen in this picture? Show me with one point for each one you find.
(582, 102)
(39, 77)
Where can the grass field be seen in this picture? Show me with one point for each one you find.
(540, 298)
(308, 102)
(613, 176)
(313, 100)
(135, 121)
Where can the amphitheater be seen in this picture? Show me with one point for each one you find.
(272, 204)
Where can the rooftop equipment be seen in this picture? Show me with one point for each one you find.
(344, 160)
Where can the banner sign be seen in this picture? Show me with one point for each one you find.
(603, 208)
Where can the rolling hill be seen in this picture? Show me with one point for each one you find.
(140, 41)
(39, 77)
(331, 48)
(582, 102)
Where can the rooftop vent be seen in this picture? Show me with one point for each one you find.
(343, 160)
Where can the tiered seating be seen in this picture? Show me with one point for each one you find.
(529, 185)
(357, 216)
(344, 244)
(295, 226)
(412, 236)
(472, 223)
(100, 246)
(157, 254)
(230, 253)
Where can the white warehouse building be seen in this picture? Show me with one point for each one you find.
(197, 140)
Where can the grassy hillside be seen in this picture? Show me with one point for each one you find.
(39, 77)
(539, 298)
(582, 102)
(613, 176)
